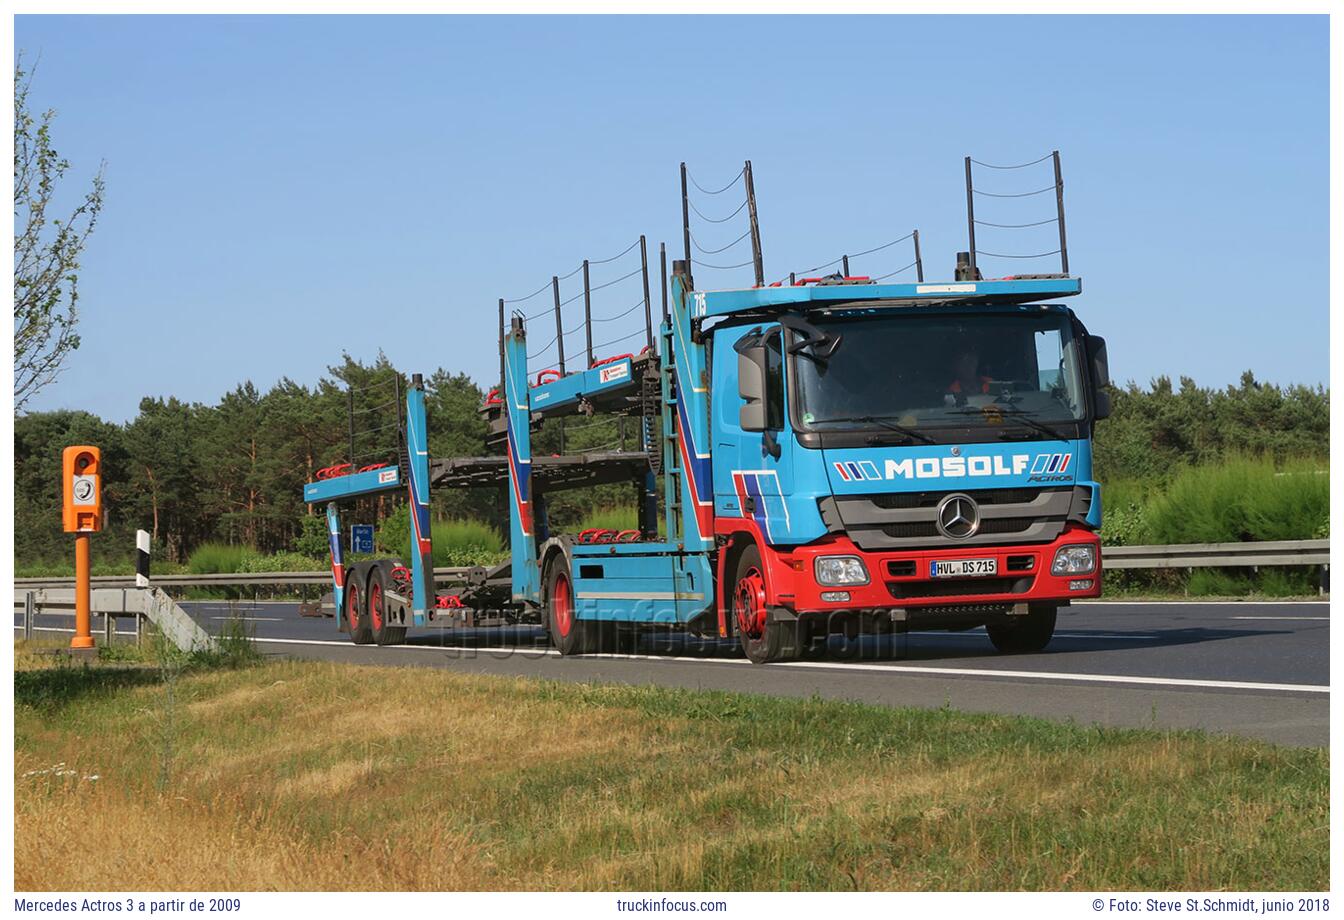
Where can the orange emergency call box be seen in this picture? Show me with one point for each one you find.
(82, 480)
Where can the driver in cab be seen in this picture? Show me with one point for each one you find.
(967, 379)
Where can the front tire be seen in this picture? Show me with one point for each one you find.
(764, 639)
(356, 613)
(1031, 633)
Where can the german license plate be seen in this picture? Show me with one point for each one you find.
(963, 568)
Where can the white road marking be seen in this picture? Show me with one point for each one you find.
(981, 636)
(248, 619)
(883, 668)
(1119, 602)
(1278, 618)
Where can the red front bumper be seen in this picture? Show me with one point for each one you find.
(902, 578)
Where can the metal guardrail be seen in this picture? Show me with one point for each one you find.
(1221, 555)
(441, 575)
(113, 603)
(1175, 556)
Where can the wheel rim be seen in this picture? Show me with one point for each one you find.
(352, 606)
(376, 605)
(562, 605)
(749, 603)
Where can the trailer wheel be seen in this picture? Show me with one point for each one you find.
(383, 634)
(1030, 633)
(569, 634)
(356, 613)
(763, 639)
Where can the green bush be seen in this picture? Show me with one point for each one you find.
(217, 559)
(612, 518)
(456, 542)
(312, 538)
(283, 562)
(1240, 500)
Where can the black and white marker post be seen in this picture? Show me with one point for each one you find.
(142, 559)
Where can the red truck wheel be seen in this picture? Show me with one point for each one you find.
(763, 639)
(569, 634)
(356, 613)
(383, 634)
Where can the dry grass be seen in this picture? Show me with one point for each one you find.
(304, 775)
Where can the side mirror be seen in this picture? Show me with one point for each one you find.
(1096, 357)
(751, 388)
(1101, 375)
(751, 381)
(1103, 404)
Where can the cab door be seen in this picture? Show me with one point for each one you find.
(753, 469)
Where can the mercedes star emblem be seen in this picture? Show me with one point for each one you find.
(958, 516)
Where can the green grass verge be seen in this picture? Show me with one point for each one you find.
(311, 775)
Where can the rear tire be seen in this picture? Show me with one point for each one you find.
(356, 612)
(569, 634)
(764, 639)
(1031, 633)
(383, 634)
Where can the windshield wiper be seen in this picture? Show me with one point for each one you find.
(1017, 415)
(875, 420)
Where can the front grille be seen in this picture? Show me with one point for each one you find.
(959, 587)
(890, 500)
(907, 531)
(907, 520)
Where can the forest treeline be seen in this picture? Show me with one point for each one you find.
(234, 471)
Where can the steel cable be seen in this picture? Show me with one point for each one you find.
(721, 220)
(713, 252)
(896, 272)
(724, 267)
(739, 175)
(1000, 255)
(1039, 191)
(1018, 166)
(985, 223)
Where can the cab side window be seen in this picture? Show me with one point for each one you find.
(774, 380)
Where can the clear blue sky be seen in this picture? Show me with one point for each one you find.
(282, 188)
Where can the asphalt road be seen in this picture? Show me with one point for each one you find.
(1254, 669)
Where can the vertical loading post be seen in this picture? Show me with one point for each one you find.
(559, 329)
(685, 217)
(501, 346)
(757, 262)
(1059, 206)
(648, 307)
(588, 312)
(662, 259)
(970, 215)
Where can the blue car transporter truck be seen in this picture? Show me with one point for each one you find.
(823, 455)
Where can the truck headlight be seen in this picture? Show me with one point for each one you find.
(841, 570)
(1074, 560)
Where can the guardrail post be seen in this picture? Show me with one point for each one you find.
(1324, 587)
(139, 628)
(29, 611)
(109, 628)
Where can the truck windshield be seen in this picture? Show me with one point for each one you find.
(923, 373)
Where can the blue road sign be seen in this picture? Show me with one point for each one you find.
(361, 538)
